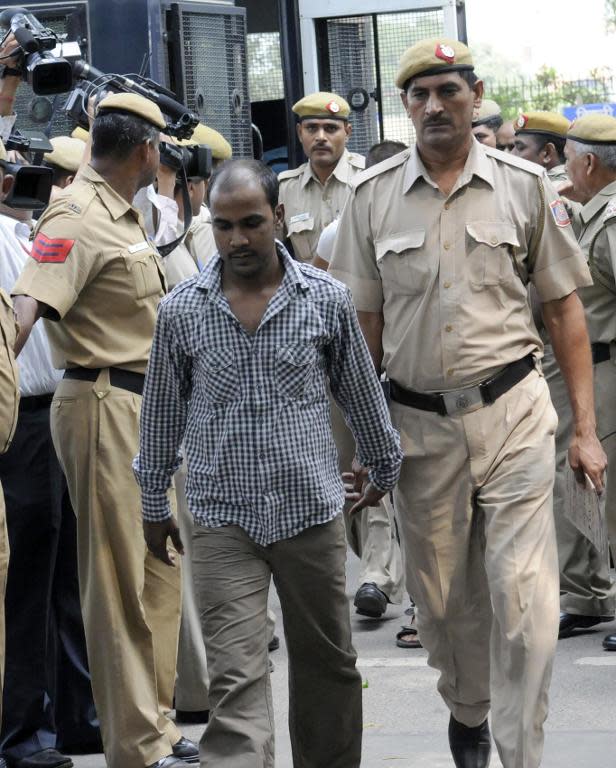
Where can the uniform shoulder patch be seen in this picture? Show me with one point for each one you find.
(48, 250)
(610, 210)
(379, 168)
(559, 213)
(292, 173)
(357, 161)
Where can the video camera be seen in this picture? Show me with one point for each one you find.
(195, 160)
(32, 186)
(45, 72)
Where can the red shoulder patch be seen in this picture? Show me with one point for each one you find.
(51, 250)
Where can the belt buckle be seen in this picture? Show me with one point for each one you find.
(462, 400)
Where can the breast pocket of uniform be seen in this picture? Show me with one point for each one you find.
(219, 375)
(490, 252)
(403, 262)
(295, 368)
(300, 232)
(144, 271)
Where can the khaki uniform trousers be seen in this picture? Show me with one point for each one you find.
(475, 502)
(371, 533)
(232, 576)
(192, 682)
(4, 567)
(585, 585)
(130, 600)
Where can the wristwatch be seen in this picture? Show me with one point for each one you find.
(10, 72)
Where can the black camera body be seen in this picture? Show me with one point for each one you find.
(32, 185)
(45, 73)
(196, 160)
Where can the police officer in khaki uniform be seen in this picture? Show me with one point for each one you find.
(97, 281)
(314, 194)
(591, 164)
(65, 160)
(438, 245)
(486, 122)
(9, 410)
(586, 591)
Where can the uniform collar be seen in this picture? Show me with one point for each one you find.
(599, 201)
(293, 281)
(113, 202)
(477, 164)
(341, 171)
(557, 170)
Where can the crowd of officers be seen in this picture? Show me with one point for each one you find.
(480, 268)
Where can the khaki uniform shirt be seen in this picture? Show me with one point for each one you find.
(450, 273)
(557, 174)
(9, 376)
(598, 241)
(200, 238)
(179, 265)
(310, 206)
(93, 265)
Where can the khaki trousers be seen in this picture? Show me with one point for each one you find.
(4, 567)
(371, 533)
(232, 576)
(192, 682)
(585, 585)
(130, 600)
(475, 509)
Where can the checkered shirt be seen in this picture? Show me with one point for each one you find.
(252, 410)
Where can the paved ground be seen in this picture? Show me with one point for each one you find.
(405, 722)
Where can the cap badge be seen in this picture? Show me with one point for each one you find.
(333, 107)
(445, 53)
(521, 121)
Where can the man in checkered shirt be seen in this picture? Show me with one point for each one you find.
(239, 371)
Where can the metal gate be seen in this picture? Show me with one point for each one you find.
(357, 57)
(205, 64)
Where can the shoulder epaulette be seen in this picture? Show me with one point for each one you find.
(292, 174)
(379, 168)
(357, 161)
(609, 214)
(517, 162)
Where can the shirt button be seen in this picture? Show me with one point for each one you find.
(494, 240)
(447, 284)
(450, 371)
(446, 246)
(449, 328)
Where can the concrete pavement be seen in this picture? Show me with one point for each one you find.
(405, 722)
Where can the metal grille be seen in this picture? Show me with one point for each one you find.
(265, 67)
(216, 75)
(350, 52)
(26, 100)
(396, 33)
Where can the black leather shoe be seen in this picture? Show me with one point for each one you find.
(571, 621)
(609, 642)
(168, 762)
(370, 601)
(186, 750)
(46, 758)
(192, 717)
(470, 747)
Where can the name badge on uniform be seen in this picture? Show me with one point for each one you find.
(300, 217)
(559, 212)
(138, 247)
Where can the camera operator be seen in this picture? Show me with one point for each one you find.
(97, 281)
(47, 687)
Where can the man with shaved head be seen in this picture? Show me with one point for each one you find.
(241, 362)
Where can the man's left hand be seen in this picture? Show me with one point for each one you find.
(360, 490)
(587, 457)
(156, 535)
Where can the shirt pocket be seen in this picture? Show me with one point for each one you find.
(301, 233)
(145, 274)
(403, 262)
(294, 369)
(220, 375)
(490, 252)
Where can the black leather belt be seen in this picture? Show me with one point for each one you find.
(600, 352)
(35, 402)
(118, 377)
(460, 400)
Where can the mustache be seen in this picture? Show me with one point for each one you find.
(436, 121)
(241, 253)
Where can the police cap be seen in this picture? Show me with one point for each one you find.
(133, 104)
(67, 153)
(80, 133)
(203, 134)
(593, 129)
(548, 123)
(434, 56)
(322, 105)
(487, 111)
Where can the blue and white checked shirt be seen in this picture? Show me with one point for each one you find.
(252, 409)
